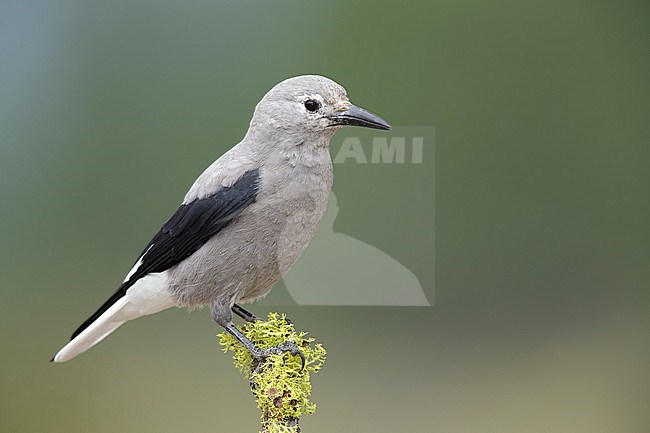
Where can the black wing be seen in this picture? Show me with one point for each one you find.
(191, 226)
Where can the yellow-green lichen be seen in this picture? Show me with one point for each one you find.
(280, 385)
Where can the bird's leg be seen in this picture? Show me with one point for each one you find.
(262, 354)
(223, 316)
(245, 314)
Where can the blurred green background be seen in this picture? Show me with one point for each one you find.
(109, 110)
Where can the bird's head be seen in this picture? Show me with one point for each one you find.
(310, 105)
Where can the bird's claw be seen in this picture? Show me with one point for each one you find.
(287, 346)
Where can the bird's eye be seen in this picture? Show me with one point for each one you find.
(311, 105)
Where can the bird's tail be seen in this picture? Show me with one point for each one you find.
(101, 328)
(148, 295)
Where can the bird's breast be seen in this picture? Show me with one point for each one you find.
(295, 204)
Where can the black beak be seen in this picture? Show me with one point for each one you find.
(356, 116)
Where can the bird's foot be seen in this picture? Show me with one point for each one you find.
(261, 354)
(287, 346)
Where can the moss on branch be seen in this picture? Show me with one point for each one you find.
(281, 387)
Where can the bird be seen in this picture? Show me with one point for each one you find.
(245, 220)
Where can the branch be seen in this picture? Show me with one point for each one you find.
(280, 387)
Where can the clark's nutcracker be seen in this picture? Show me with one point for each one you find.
(244, 221)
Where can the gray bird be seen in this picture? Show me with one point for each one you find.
(245, 220)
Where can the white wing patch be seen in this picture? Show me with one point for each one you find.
(137, 265)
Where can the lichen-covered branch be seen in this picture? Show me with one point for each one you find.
(280, 384)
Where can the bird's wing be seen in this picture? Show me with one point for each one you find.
(191, 226)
